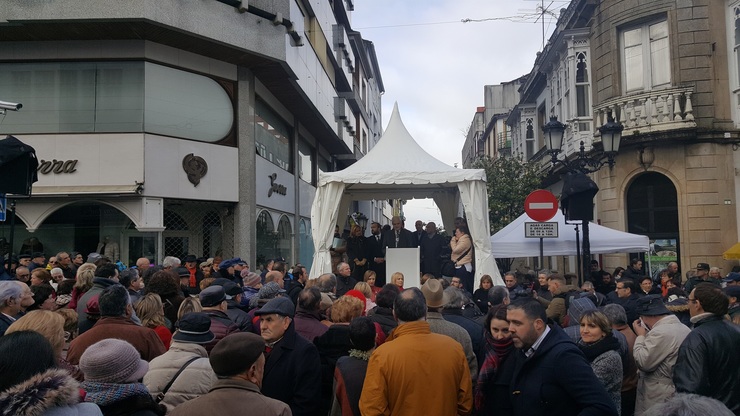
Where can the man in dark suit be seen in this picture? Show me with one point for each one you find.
(375, 253)
(419, 233)
(397, 236)
(431, 249)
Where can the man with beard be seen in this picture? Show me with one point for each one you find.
(541, 385)
(375, 255)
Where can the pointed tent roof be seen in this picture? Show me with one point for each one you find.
(398, 159)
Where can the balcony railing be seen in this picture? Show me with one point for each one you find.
(653, 111)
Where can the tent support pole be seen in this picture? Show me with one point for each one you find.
(578, 253)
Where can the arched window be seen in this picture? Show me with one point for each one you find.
(583, 106)
(652, 210)
(266, 238)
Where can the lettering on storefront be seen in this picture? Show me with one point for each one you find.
(276, 187)
(57, 166)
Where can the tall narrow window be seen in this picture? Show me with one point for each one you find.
(736, 47)
(530, 138)
(646, 57)
(583, 108)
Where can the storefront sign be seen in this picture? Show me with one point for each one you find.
(275, 187)
(57, 166)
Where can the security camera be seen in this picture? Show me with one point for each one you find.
(4, 105)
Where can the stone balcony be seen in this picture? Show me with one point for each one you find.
(650, 112)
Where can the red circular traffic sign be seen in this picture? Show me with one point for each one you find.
(541, 205)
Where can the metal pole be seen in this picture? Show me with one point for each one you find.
(586, 252)
(578, 253)
(12, 231)
(542, 253)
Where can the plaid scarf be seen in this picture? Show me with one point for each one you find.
(104, 394)
(496, 351)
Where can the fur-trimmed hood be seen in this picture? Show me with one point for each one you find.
(44, 391)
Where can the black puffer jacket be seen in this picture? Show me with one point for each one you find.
(708, 363)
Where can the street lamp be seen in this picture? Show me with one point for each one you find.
(578, 188)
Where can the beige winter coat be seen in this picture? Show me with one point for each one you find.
(459, 247)
(655, 355)
(196, 380)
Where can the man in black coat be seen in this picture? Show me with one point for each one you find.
(292, 367)
(431, 249)
(551, 375)
(397, 236)
(376, 253)
(708, 363)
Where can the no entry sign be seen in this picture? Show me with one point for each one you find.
(541, 205)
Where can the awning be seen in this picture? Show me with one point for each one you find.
(733, 253)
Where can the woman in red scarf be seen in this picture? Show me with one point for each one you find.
(492, 388)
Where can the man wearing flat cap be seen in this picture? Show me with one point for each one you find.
(186, 351)
(292, 366)
(239, 363)
(701, 276)
(659, 336)
(213, 301)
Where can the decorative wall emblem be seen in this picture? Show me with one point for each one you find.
(195, 167)
(276, 188)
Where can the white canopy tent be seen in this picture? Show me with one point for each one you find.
(397, 167)
(510, 241)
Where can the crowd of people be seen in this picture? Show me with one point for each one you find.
(194, 335)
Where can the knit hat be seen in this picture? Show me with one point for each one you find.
(112, 361)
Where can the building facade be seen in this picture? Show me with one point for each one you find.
(173, 128)
(489, 135)
(661, 69)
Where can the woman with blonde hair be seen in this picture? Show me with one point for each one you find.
(370, 278)
(397, 279)
(151, 312)
(83, 283)
(51, 326)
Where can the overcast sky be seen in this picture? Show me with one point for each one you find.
(435, 66)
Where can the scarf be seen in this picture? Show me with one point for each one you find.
(591, 351)
(192, 282)
(496, 351)
(104, 394)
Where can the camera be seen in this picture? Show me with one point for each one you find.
(5, 105)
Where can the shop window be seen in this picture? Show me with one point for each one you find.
(266, 238)
(285, 239)
(305, 243)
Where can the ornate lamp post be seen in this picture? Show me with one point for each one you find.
(579, 189)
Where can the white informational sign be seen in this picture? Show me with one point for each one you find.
(541, 229)
(406, 261)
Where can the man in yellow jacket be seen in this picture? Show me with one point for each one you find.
(416, 372)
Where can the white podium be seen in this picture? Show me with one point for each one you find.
(406, 261)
